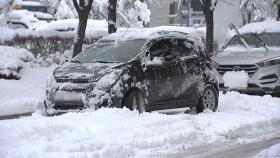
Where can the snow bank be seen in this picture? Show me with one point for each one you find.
(236, 79)
(122, 133)
(12, 60)
(273, 151)
(24, 95)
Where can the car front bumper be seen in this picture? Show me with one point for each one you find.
(59, 102)
(266, 80)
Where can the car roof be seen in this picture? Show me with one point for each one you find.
(154, 33)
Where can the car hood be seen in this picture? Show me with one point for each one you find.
(86, 71)
(244, 58)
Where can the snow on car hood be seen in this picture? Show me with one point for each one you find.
(244, 57)
(74, 71)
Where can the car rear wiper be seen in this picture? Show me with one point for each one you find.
(103, 61)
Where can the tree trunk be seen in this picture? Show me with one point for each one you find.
(112, 16)
(79, 39)
(83, 10)
(208, 13)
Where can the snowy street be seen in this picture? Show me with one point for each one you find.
(241, 119)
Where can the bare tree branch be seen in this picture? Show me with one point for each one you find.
(89, 5)
(76, 5)
(82, 3)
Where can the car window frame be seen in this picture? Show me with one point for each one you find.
(154, 41)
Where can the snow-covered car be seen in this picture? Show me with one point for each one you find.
(44, 16)
(254, 52)
(166, 70)
(18, 19)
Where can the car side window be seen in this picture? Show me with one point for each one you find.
(185, 48)
(164, 48)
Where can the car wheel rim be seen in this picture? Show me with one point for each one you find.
(209, 99)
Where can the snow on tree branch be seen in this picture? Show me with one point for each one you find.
(259, 10)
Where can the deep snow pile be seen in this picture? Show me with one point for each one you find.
(24, 95)
(12, 60)
(272, 152)
(122, 133)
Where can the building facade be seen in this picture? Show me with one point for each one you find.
(177, 13)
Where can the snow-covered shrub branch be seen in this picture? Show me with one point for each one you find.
(133, 13)
(136, 12)
(258, 10)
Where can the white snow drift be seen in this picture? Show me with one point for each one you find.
(121, 133)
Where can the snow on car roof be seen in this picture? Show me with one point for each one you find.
(148, 33)
(30, 3)
(260, 27)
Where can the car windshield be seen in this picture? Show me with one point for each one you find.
(271, 39)
(110, 51)
(246, 41)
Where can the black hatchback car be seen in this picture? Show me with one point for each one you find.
(166, 70)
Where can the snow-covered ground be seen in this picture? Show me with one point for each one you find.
(272, 152)
(123, 133)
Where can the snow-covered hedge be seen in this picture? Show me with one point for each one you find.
(12, 60)
(46, 45)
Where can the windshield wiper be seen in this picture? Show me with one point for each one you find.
(103, 61)
(264, 44)
(239, 36)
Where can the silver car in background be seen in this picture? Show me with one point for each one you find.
(256, 50)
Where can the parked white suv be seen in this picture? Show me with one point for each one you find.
(255, 49)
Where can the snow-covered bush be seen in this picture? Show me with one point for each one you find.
(130, 12)
(58, 58)
(12, 60)
(135, 12)
(65, 11)
(47, 45)
(258, 10)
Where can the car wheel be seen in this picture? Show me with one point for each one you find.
(209, 99)
(135, 101)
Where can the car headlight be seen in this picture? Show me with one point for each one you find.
(270, 62)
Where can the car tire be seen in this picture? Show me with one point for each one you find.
(135, 101)
(208, 100)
